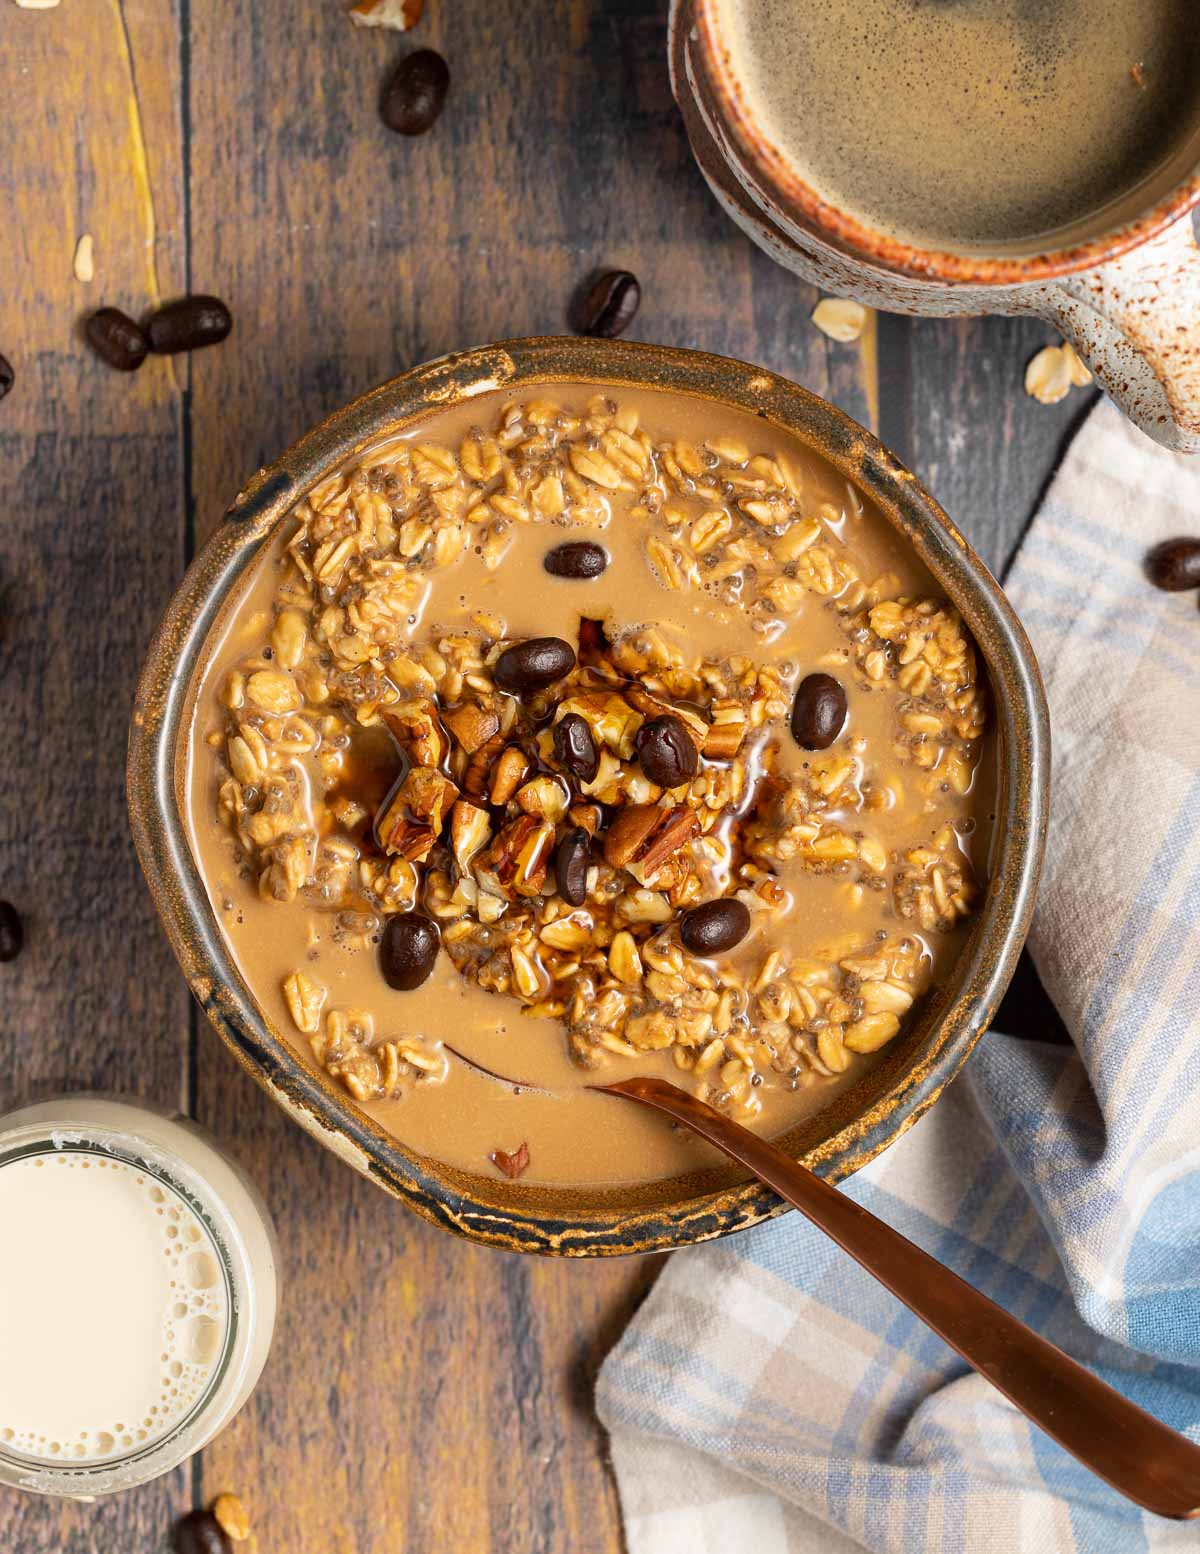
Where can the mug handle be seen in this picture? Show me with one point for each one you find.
(1136, 323)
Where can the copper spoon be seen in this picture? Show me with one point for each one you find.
(1154, 1466)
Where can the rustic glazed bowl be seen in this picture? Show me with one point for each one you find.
(861, 1120)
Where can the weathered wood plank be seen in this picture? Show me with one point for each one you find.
(90, 485)
(954, 408)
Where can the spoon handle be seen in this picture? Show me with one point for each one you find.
(1153, 1465)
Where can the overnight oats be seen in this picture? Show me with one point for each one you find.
(577, 735)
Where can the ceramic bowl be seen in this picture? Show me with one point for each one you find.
(651, 1216)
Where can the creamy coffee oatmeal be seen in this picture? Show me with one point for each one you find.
(580, 735)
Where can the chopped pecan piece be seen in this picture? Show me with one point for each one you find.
(470, 829)
(678, 827)
(643, 837)
(508, 775)
(428, 794)
(472, 726)
(512, 1165)
(398, 833)
(479, 767)
(412, 815)
(594, 646)
(402, 15)
(588, 816)
(544, 796)
(628, 831)
(726, 731)
(516, 862)
(418, 731)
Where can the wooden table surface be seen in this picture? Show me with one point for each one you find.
(422, 1394)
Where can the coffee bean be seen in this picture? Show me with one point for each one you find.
(116, 339)
(408, 950)
(188, 324)
(12, 931)
(667, 751)
(533, 665)
(715, 927)
(7, 376)
(819, 712)
(607, 307)
(199, 1533)
(577, 558)
(1174, 565)
(574, 748)
(571, 864)
(416, 93)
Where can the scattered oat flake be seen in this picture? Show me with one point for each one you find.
(400, 15)
(85, 263)
(230, 1516)
(1080, 376)
(839, 318)
(37, 5)
(512, 1165)
(1048, 376)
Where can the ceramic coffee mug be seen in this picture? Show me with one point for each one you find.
(1128, 299)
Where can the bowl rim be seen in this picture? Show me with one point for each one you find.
(465, 1204)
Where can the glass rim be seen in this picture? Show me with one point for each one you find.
(22, 1469)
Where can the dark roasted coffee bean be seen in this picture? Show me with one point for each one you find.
(715, 927)
(667, 751)
(408, 950)
(1174, 565)
(116, 339)
(200, 1533)
(12, 932)
(7, 376)
(577, 558)
(416, 93)
(533, 665)
(188, 324)
(607, 307)
(819, 712)
(574, 748)
(571, 863)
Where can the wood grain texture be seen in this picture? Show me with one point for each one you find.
(954, 409)
(90, 487)
(422, 1393)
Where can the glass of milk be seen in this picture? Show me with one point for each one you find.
(137, 1293)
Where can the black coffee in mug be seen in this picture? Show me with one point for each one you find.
(995, 126)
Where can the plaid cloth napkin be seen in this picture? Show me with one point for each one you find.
(770, 1398)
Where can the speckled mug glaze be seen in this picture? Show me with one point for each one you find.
(649, 1216)
(1128, 299)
